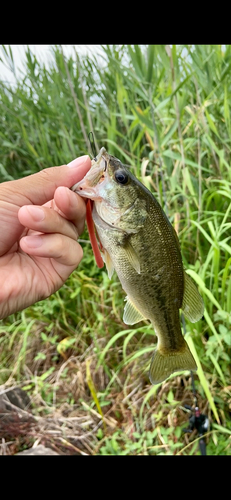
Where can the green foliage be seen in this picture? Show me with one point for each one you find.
(165, 111)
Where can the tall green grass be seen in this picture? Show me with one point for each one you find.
(164, 111)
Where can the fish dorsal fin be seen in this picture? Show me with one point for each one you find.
(108, 262)
(132, 256)
(131, 313)
(193, 305)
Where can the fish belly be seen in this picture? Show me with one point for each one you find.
(157, 292)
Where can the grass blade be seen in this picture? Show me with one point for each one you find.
(202, 378)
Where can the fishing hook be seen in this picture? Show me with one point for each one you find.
(92, 144)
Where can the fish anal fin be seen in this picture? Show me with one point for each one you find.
(131, 314)
(192, 305)
(108, 263)
(164, 363)
(132, 256)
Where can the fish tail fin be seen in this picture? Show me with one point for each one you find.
(164, 363)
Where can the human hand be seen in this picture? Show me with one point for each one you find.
(40, 221)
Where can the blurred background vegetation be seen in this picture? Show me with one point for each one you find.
(165, 112)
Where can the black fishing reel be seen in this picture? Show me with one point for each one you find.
(199, 422)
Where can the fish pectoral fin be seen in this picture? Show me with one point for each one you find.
(131, 314)
(163, 363)
(132, 256)
(108, 263)
(193, 305)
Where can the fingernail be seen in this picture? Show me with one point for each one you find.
(33, 241)
(78, 161)
(36, 213)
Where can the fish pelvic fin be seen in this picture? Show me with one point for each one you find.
(109, 264)
(164, 363)
(131, 314)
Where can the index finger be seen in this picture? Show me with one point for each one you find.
(71, 206)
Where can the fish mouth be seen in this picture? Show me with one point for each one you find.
(87, 187)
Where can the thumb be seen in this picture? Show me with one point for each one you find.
(39, 188)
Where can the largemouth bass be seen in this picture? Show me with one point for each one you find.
(138, 241)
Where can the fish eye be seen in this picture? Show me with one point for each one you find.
(121, 176)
